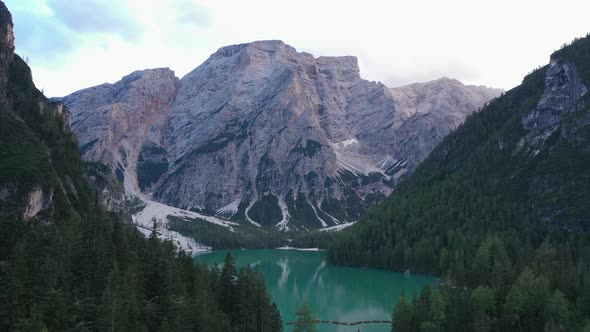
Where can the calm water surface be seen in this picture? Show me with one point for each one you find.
(334, 293)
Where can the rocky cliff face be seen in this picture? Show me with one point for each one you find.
(39, 200)
(265, 134)
(109, 191)
(559, 128)
(114, 122)
(563, 89)
(269, 134)
(427, 112)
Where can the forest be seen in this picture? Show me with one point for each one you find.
(505, 230)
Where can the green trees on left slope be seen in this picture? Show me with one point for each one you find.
(76, 267)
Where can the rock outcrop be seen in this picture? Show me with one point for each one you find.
(564, 88)
(39, 200)
(265, 134)
(109, 191)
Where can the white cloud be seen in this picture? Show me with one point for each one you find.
(398, 42)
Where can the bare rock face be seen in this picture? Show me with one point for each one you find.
(114, 121)
(63, 112)
(109, 191)
(427, 112)
(264, 134)
(38, 200)
(257, 131)
(564, 88)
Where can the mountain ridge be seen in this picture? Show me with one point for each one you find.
(261, 133)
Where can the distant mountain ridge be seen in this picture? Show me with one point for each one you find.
(429, 111)
(262, 133)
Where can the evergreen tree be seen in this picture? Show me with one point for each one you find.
(403, 316)
(228, 288)
(305, 320)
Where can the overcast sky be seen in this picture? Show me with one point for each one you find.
(73, 44)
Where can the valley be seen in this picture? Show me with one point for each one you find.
(271, 189)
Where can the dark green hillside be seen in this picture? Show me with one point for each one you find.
(65, 265)
(500, 210)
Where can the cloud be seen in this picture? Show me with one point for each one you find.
(88, 42)
(192, 13)
(41, 36)
(50, 31)
(97, 16)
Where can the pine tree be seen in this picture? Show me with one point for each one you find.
(275, 319)
(228, 288)
(305, 319)
(403, 315)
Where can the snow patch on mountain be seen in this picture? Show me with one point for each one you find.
(282, 225)
(324, 224)
(337, 227)
(155, 211)
(248, 217)
(230, 209)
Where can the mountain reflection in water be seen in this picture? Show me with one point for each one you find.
(334, 293)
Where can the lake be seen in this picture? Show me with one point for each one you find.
(334, 293)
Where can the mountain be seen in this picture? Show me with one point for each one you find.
(430, 111)
(499, 210)
(68, 265)
(262, 133)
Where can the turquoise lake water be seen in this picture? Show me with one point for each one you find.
(334, 293)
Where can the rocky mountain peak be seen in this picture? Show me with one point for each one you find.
(256, 46)
(345, 66)
(445, 94)
(263, 134)
(429, 111)
(148, 74)
(159, 84)
(114, 122)
(263, 52)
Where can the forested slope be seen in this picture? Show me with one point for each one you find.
(500, 210)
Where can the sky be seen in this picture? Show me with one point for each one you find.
(74, 44)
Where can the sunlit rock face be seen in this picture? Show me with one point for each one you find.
(264, 134)
(427, 112)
